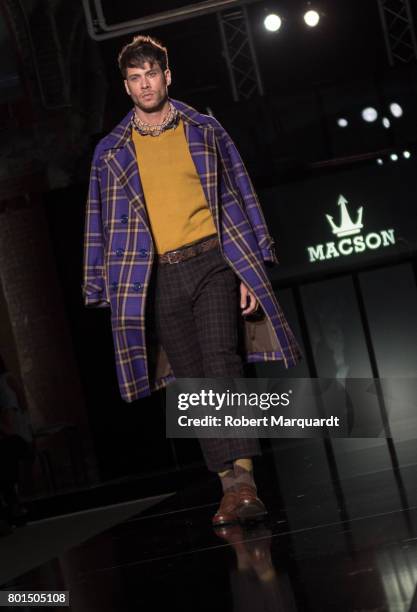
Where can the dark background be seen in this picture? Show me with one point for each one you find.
(62, 92)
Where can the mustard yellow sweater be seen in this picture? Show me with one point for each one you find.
(175, 201)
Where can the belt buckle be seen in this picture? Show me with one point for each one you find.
(169, 256)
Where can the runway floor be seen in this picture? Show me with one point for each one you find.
(341, 535)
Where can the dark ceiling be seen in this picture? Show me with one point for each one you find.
(348, 42)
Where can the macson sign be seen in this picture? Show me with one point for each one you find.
(351, 240)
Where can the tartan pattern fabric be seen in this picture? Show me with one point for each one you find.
(119, 250)
(194, 310)
(219, 453)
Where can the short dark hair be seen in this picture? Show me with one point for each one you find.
(142, 49)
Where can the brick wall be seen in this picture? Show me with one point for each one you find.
(34, 336)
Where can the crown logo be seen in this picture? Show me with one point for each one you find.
(347, 227)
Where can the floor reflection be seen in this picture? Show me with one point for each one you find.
(307, 555)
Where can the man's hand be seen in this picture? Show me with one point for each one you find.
(245, 294)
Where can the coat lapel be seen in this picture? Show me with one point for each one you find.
(123, 164)
(202, 145)
(122, 161)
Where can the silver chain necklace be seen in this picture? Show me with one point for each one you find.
(168, 122)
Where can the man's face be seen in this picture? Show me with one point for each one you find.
(147, 86)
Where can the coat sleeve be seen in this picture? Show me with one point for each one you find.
(94, 289)
(239, 176)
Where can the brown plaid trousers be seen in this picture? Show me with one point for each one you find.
(194, 312)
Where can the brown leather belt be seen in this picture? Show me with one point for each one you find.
(187, 252)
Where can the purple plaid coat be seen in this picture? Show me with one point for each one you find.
(119, 250)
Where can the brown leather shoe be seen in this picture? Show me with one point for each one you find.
(249, 506)
(226, 513)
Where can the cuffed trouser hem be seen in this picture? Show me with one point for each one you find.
(219, 453)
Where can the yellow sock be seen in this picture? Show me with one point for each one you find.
(221, 474)
(243, 471)
(247, 464)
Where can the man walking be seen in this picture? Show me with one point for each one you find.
(176, 245)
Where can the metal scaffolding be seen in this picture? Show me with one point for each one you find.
(239, 53)
(399, 33)
(99, 29)
(238, 48)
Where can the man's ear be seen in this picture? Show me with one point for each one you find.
(168, 76)
(126, 87)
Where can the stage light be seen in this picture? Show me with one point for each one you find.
(272, 22)
(311, 18)
(369, 114)
(379, 161)
(394, 157)
(386, 122)
(407, 154)
(396, 109)
(342, 122)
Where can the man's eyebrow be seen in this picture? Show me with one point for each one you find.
(138, 74)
